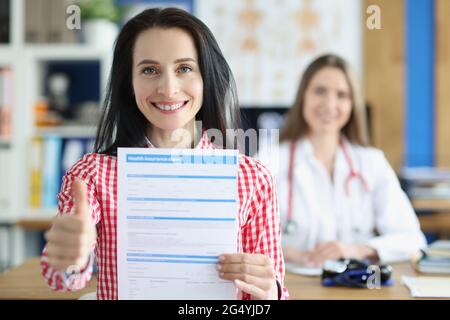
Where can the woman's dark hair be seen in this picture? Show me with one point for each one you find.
(356, 128)
(122, 124)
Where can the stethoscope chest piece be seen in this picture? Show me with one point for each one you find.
(289, 227)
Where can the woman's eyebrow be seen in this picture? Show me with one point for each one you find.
(185, 60)
(148, 61)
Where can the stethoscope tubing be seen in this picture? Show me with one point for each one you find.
(352, 174)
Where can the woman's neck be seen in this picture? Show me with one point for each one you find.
(182, 138)
(325, 147)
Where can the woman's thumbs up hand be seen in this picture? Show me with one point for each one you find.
(70, 239)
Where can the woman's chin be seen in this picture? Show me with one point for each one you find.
(169, 126)
(327, 130)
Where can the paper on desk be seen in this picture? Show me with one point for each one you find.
(302, 270)
(428, 287)
(177, 212)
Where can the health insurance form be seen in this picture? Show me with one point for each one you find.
(177, 212)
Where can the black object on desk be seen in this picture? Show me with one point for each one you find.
(355, 274)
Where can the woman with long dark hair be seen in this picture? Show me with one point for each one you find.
(168, 71)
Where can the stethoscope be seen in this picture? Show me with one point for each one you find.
(290, 226)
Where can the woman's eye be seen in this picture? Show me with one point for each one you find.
(319, 91)
(343, 95)
(149, 71)
(185, 69)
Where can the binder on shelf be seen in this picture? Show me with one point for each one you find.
(35, 24)
(46, 22)
(2, 97)
(55, 21)
(6, 103)
(37, 161)
(73, 150)
(51, 157)
(4, 21)
(58, 31)
(51, 172)
(67, 35)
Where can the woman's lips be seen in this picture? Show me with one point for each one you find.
(168, 108)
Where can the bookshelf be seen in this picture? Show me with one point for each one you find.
(7, 52)
(431, 204)
(437, 219)
(69, 131)
(28, 63)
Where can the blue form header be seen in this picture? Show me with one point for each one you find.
(181, 159)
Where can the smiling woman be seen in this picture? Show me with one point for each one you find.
(167, 72)
(167, 82)
(186, 67)
(340, 198)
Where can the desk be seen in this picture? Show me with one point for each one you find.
(25, 282)
(309, 288)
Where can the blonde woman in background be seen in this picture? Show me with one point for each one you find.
(339, 198)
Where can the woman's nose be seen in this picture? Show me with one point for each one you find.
(168, 85)
(330, 102)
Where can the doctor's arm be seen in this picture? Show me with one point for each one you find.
(399, 231)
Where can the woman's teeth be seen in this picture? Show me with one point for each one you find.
(169, 107)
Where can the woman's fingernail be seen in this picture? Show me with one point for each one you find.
(221, 258)
(218, 267)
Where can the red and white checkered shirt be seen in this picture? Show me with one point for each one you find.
(258, 219)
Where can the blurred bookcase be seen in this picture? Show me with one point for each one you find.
(29, 65)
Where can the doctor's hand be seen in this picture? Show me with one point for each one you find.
(70, 239)
(334, 250)
(252, 273)
(301, 257)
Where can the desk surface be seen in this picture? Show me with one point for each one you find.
(25, 282)
(306, 288)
